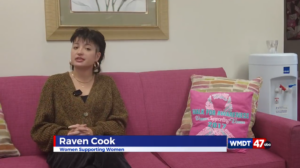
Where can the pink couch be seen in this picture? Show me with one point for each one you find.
(298, 98)
(155, 102)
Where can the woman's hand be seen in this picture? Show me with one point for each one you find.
(80, 129)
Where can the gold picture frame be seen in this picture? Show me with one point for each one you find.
(55, 31)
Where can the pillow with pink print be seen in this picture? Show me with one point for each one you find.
(219, 113)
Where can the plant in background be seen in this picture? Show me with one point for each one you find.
(107, 2)
(121, 4)
(113, 3)
(98, 5)
(80, 3)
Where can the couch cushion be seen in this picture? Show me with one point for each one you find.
(221, 114)
(220, 84)
(143, 160)
(7, 148)
(24, 161)
(253, 158)
(166, 94)
(131, 91)
(19, 97)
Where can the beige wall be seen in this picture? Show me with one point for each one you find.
(204, 34)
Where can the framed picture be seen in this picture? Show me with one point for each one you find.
(116, 19)
(292, 19)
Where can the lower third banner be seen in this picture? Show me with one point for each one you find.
(139, 143)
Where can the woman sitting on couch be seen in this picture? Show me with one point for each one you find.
(81, 102)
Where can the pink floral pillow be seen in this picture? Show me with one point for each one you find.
(216, 113)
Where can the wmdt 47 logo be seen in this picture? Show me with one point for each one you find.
(248, 143)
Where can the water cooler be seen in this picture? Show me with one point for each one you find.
(279, 72)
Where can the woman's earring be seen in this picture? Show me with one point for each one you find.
(96, 67)
(71, 66)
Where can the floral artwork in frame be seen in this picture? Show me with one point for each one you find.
(109, 6)
(116, 19)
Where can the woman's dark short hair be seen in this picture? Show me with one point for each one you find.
(92, 36)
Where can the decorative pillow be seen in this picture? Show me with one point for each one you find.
(7, 148)
(221, 113)
(221, 84)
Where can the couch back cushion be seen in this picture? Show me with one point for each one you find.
(130, 87)
(19, 97)
(166, 94)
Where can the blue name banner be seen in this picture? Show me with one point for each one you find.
(208, 141)
(140, 143)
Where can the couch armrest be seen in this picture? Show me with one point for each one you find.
(284, 135)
